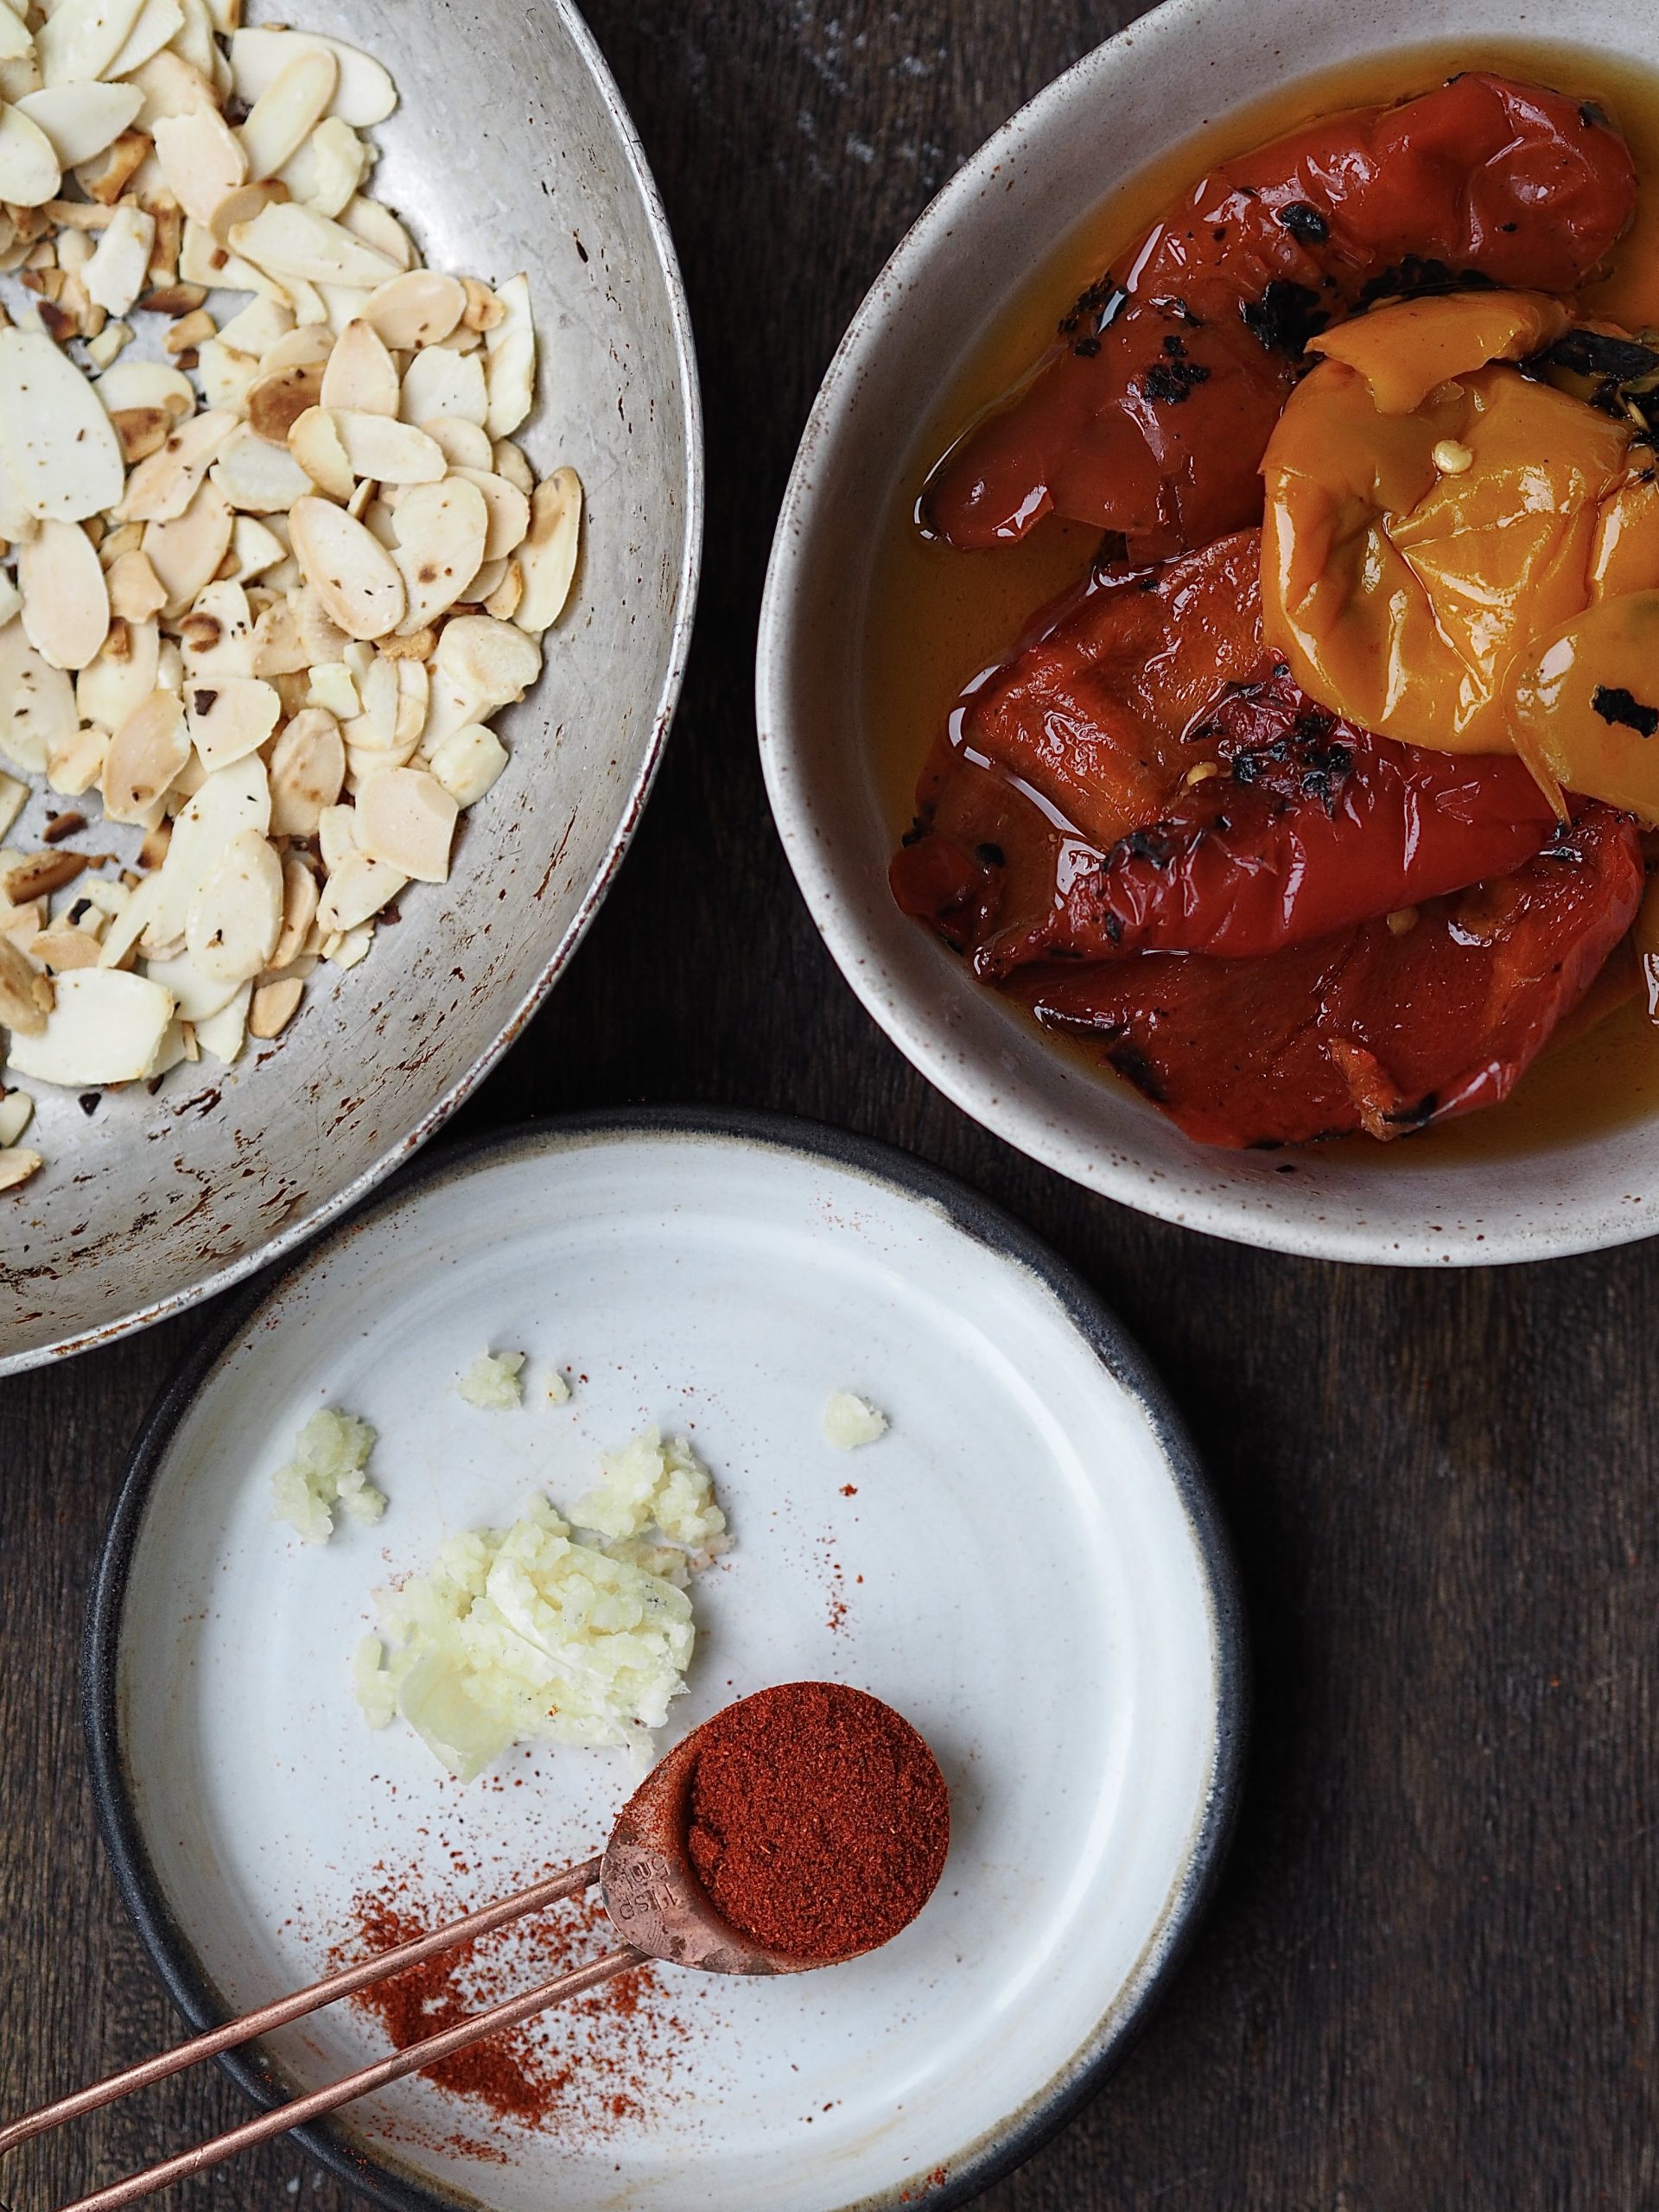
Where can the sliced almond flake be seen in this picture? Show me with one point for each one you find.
(26, 995)
(145, 754)
(185, 553)
(197, 997)
(245, 204)
(161, 488)
(484, 311)
(204, 260)
(407, 819)
(106, 1026)
(132, 385)
(17, 1109)
(26, 877)
(301, 892)
(495, 661)
(159, 23)
(351, 945)
(508, 460)
(142, 431)
(15, 44)
(82, 119)
(18, 1164)
(122, 937)
(125, 169)
(279, 397)
(503, 602)
(328, 169)
(336, 836)
(388, 451)
(14, 796)
(417, 310)
(295, 241)
(116, 273)
(187, 333)
(509, 511)
(333, 689)
(441, 532)
(486, 582)
(255, 549)
(257, 476)
(37, 703)
(195, 41)
(315, 443)
(136, 591)
(351, 572)
(66, 599)
(465, 445)
(222, 1035)
(510, 348)
(75, 765)
(230, 801)
(230, 716)
(289, 110)
(360, 374)
(125, 670)
(297, 348)
(62, 454)
(226, 375)
(237, 915)
(10, 606)
(467, 762)
(379, 227)
(437, 382)
(547, 556)
(63, 948)
(360, 886)
(274, 1006)
(216, 637)
(202, 160)
(81, 38)
(257, 327)
(363, 94)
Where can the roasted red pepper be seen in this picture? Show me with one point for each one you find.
(1366, 1029)
(1151, 413)
(1313, 825)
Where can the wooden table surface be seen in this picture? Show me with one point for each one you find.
(1429, 1978)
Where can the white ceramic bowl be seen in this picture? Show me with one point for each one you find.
(509, 149)
(967, 257)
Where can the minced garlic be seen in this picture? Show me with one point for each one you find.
(330, 1454)
(494, 1381)
(849, 1422)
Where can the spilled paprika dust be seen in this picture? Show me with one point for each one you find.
(1317, 804)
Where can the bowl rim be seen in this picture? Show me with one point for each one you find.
(687, 581)
(1332, 1233)
(982, 2162)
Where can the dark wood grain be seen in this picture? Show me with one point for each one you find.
(1428, 1981)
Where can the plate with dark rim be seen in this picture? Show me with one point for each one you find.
(1027, 1564)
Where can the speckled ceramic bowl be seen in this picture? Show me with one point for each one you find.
(510, 150)
(969, 255)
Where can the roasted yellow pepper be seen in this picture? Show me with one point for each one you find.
(1463, 557)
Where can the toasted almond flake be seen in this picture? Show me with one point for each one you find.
(508, 460)
(292, 240)
(119, 171)
(277, 399)
(222, 1034)
(18, 1164)
(488, 581)
(503, 601)
(196, 997)
(464, 444)
(237, 916)
(406, 819)
(360, 374)
(81, 119)
(336, 836)
(28, 876)
(202, 160)
(418, 645)
(483, 310)
(511, 361)
(547, 556)
(111, 341)
(185, 553)
(145, 754)
(333, 687)
(441, 532)
(136, 591)
(348, 568)
(495, 661)
(364, 93)
(190, 331)
(62, 454)
(243, 205)
(216, 637)
(142, 431)
(106, 1026)
(177, 300)
(226, 375)
(229, 801)
(257, 478)
(359, 887)
(509, 511)
(14, 796)
(38, 705)
(289, 110)
(379, 227)
(26, 995)
(417, 309)
(301, 892)
(75, 766)
(315, 443)
(159, 23)
(467, 762)
(125, 672)
(437, 382)
(66, 599)
(63, 947)
(255, 549)
(274, 1006)
(328, 169)
(230, 717)
(162, 486)
(15, 44)
(81, 38)
(389, 452)
(115, 275)
(138, 386)
(16, 1110)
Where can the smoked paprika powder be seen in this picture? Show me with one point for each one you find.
(818, 1821)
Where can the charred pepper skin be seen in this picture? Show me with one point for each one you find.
(1150, 415)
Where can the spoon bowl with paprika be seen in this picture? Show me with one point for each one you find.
(800, 1827)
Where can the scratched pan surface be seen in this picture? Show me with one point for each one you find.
(1027, 1564)
(509, 149)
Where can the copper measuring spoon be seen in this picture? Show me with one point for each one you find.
(651, 1895)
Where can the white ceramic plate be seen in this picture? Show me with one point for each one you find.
(1029, 1569)
(511, 148)
(1030, 188)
